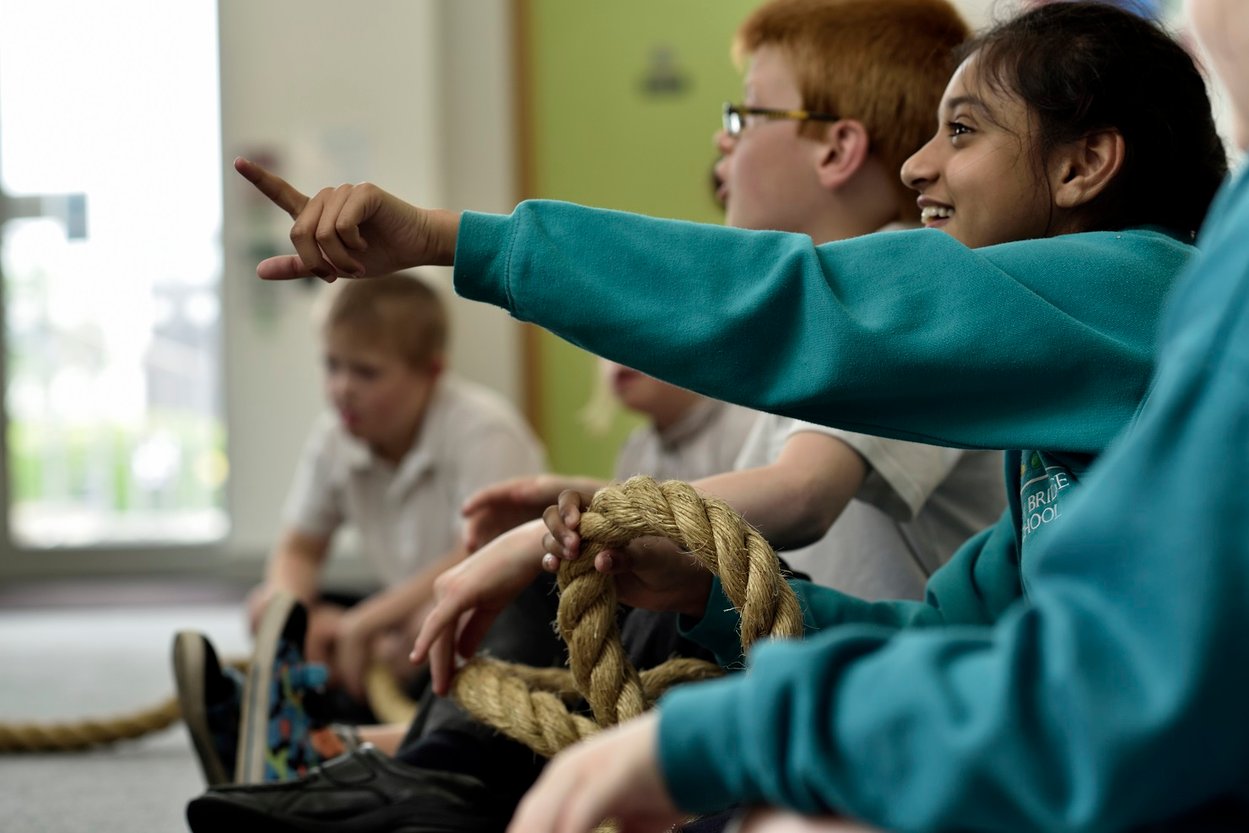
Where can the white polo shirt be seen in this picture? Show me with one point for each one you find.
(703, 442)
(917, 505)
(408, 515)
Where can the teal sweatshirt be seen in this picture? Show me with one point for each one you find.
(1115, 698)
(1115, 695)
(1044, 345)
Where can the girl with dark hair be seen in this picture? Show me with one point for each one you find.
(1021, 694)
(1158, 104)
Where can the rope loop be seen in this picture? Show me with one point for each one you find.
(530, 706)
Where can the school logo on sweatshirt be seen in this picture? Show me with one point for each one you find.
(1042, 482)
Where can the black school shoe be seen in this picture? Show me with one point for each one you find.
(360, 792)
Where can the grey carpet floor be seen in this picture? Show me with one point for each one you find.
(61, 662)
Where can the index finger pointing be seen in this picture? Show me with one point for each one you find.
(284, 195)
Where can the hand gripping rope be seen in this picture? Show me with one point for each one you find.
(529, 705)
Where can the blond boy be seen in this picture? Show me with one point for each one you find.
(402, 445)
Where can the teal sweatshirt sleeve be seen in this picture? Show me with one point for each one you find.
(1041, 344)
(1114, 699)
(979, 583)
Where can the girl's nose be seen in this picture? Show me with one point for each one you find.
(920, 170)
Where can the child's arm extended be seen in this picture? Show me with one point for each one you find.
(795, 499)
(493, 510)
(792, 501)
(885, 334)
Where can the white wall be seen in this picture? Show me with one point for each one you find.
(406, 94)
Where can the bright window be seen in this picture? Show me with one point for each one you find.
(110, 249)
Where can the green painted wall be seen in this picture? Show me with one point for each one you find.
(602, 135)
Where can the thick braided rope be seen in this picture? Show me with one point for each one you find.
(531, 704)
(74, 735)
(526, 704)
(384, 697)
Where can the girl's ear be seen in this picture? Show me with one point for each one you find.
(1082, 169)
(842, 153)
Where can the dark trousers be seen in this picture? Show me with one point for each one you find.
(444, 736)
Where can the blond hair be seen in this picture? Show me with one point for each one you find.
(401, 312)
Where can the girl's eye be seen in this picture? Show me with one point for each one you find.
(957, 129)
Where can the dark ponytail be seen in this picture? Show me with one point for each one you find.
(1086, 66)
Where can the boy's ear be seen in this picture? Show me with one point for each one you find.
(1082, 169)
(842, 153)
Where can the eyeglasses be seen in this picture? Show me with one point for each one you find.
(735, 116)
